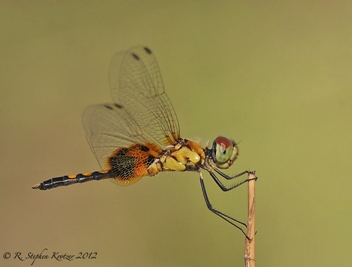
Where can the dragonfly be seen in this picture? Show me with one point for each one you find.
(138, 134)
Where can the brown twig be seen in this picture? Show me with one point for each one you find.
(249, 251)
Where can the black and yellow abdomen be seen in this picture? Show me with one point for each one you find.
(71, 179)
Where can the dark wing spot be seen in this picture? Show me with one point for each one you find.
(147, 50)
(144, 148)
(121, 165)
(108, 107)
(118, 106)
(135, 56)
(149, 161)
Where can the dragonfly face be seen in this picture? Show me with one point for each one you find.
(139, 135)
(224, 152)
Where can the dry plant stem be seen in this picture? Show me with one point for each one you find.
(249, 251)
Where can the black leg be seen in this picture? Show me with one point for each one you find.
(229, 177)
(225, 175)
(223, 187)
(220, 214)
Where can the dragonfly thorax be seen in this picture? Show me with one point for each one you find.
(185, 155)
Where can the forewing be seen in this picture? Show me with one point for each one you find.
(136, 86)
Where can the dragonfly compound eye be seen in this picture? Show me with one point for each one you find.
(225, 152)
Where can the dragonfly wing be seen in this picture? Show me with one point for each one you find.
(137, 86)
(109, 127)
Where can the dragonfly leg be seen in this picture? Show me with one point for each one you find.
(230, 177)
(227, 218)
(225, 188)
(225, 175)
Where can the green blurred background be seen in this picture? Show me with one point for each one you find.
(274, 75)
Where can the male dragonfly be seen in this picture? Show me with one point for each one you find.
(139, 135)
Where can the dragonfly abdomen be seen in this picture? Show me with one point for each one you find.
(72, 179)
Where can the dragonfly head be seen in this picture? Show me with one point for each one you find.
(224, 152)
